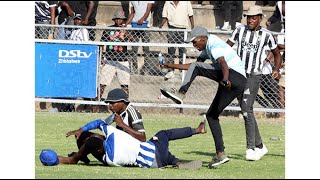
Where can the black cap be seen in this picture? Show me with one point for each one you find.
(117, 95)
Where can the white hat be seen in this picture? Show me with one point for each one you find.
(254, 10)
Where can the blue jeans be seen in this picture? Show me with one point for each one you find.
(63, 33)
(163, 155)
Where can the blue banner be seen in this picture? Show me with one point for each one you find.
(64, 70)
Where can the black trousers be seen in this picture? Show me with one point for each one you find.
(222, 98)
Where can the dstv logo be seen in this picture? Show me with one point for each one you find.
(73, 54)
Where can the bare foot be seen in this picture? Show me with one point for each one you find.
(201, 128)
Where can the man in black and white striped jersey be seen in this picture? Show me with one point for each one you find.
(45, 13)
(252, 41)
(127, 117)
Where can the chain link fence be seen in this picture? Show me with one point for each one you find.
(128, 58)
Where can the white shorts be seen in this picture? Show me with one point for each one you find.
(111, 68)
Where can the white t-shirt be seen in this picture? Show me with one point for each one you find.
(81, 34)
(140, 8)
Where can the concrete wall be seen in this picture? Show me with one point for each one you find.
(204, 15)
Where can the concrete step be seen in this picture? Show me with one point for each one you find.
(204, 15)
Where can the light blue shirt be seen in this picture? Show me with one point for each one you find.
(216, 48)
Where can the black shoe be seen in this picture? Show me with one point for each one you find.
(84, 159)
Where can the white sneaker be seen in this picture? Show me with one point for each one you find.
(169, 75)
(226, 26)
(261, 152)
(252, 155)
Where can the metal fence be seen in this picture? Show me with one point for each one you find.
(135, 52)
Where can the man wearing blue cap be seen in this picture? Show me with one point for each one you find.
(127, 117)
(226, 69)
(117, 148)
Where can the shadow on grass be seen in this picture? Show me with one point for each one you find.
(92, 163)
(233, 156)
(242, 156)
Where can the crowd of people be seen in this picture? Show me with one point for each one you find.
(117, 61)
(258, 60)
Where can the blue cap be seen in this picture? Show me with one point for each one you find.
(49, 157)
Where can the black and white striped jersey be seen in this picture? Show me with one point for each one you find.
(132, 117)
(252, 46)
(42, 10)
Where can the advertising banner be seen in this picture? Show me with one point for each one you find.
(64, 70)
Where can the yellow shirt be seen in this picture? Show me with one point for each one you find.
(178, 15)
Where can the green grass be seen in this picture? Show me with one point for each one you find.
(50, 129)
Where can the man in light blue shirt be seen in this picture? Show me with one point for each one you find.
(226, 68)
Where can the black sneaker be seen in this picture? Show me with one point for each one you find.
(173, 95)
(84, 159)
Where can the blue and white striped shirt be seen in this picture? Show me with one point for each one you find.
(122, 149)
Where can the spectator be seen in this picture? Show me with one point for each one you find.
(115, 58)
(117, 148)
(228, 11)
(252, 41)
(81, 34)
(277, 16)
(45, 13)
(125, 8)
(77, 34)
(71, 9)
(140, 12)
(157, 9)
(177, 14)
(226, 69)
(92, 18)
(127, 117)
(281, 46)
(269, 85)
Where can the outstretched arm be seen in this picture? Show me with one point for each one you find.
(176, 66)
(90, 126)
(180, 66)
(75, 158)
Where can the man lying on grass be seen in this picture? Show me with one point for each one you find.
(117, 148)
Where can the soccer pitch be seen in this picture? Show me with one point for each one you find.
(50, 129)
